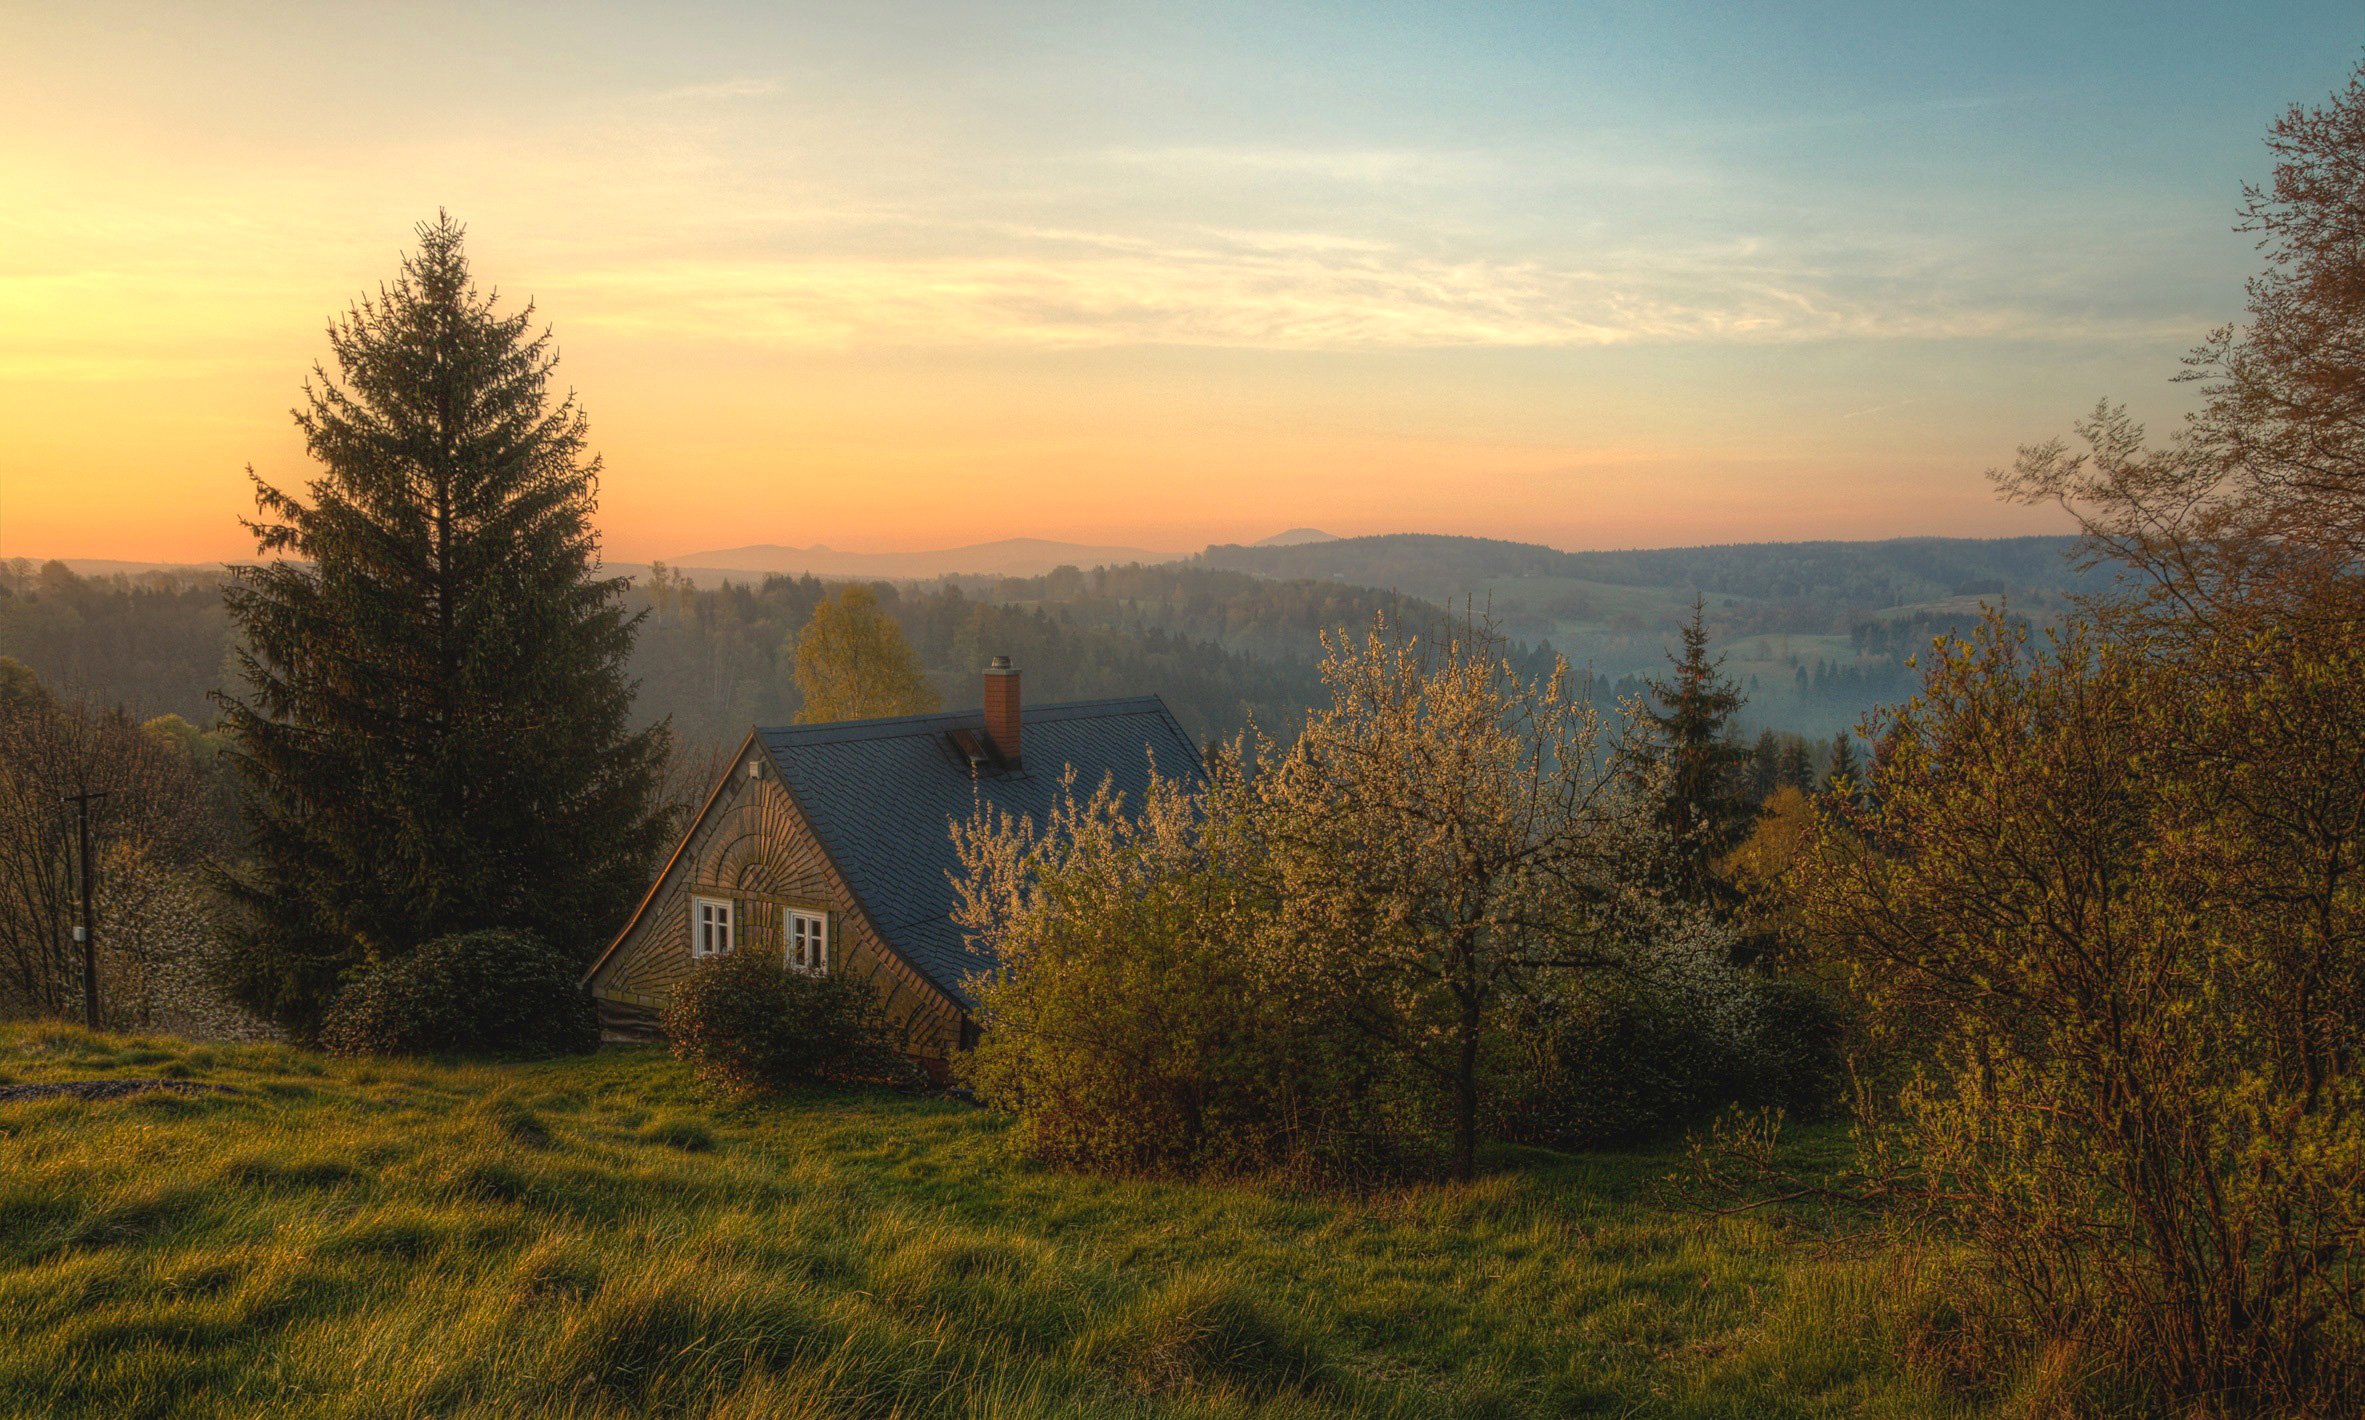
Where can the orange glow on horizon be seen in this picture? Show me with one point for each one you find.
(135, 447)
(967, 286)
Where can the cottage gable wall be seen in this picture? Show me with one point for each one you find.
(754, 847)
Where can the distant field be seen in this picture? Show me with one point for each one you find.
(595, 1238)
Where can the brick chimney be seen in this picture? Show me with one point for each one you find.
(1001, 707)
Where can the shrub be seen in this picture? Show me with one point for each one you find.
(1801, 1066)
(2105, 924)
(747, 1023)
(1429, 915)
(1667, 1044)
(1613, 1067)
(476, 993)
(1127, 1029)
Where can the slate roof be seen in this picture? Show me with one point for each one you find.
(882, 796)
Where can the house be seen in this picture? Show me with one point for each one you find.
(831, 844)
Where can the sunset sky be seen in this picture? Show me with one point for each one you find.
(902, 276)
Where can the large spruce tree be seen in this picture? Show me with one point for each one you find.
(435, 733)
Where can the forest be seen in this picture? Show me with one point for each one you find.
(1222, 644)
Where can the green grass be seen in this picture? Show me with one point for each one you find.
(597, 1237)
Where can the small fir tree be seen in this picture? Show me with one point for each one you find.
(435, 731)
(1685, 720)
(1845, 775)
(1765, 766)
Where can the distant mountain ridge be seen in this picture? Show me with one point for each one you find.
(1011, 557)
(1295, 537)
(1890, 572)
(1437, 566)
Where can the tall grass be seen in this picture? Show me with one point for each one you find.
(598, 1238)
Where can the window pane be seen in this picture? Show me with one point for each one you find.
(806, 933)
(710, 927)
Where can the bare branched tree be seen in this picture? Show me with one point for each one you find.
(2260, 497)
(49, 750)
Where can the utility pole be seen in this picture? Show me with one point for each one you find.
(87, 933)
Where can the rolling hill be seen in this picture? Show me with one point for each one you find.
(1815, 633)
(1868, 575)
(1011, 557)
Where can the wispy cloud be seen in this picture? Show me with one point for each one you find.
(1288, 291)
(1362, 165)
(705, 226)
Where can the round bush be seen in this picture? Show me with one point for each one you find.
(476, 993)
(1610, 1068)
(747, 1023)
(1802, 1066)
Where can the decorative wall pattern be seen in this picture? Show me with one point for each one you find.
(753, 846)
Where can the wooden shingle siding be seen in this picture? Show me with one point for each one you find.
(753, 847)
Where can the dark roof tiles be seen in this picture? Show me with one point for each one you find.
(883, 795)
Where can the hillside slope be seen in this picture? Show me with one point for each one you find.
(1894, 572)
(1816, 634)
(593, 1237)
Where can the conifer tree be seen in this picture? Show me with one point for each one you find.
(434, 734)
(1845, 775)
(1765, 766)
(1685, 723)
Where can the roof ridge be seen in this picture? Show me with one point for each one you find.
(952, 719)
(882, 798)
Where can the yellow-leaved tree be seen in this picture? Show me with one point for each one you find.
(1333, 953)
(853, 663)
(2106, 926)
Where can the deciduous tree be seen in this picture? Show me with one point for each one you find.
(2109, 918)
(1438, 835)
(149, 828)
(853, 663)
(2261, 495)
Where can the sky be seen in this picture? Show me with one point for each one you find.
(900, 276)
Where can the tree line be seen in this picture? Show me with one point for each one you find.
(1221, 647)
(720, 659)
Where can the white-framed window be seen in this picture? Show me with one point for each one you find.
(710, 926)
(807, 936)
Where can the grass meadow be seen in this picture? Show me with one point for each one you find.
(599, 1237)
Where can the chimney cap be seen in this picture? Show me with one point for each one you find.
(1001, 665)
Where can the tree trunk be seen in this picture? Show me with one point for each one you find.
(1465, 1091)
